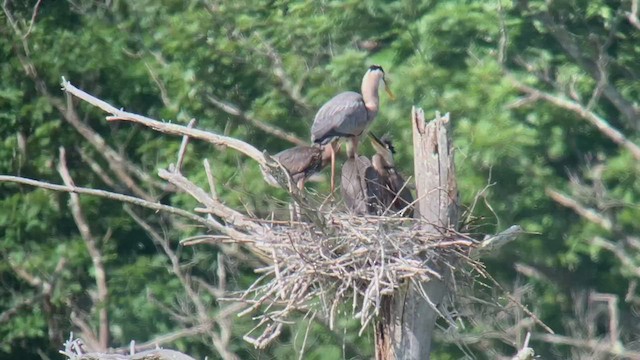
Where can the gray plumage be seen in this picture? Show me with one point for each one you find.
(345, 115)
(302, 161)
(398, 197)
(361, 187)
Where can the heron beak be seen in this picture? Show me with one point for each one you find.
(381, 149)
(388, 90)
(377, 143)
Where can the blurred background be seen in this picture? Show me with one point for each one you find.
(543, 99)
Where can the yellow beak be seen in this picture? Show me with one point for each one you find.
(388, 90)
(377, 143)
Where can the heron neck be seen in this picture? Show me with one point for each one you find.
(378, 163)
(369, 90)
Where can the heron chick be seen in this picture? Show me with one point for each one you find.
(304, 161)
(361, 187)
(398, 196)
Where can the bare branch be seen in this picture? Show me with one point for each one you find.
(526, 353)
(566, 40)
(166, 128)
(183, 146)
(113, 196)
(591, 344)
(632, 16)
(281, 74)
(268, 128)
(185, 281)
(230, 215)
(118, 164)
(94, 251)
(629, 262)
(96, 168)
(33, 19)
(26, 303)
(22, 273)
(164, 95)
(504, 36)
(601, 124)
(163, 339)
(586, 213)
(210, 180)
(85, 331)
(46, 288)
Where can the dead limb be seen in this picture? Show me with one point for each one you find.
(94, 251)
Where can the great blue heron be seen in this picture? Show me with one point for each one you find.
(303, 161)
(361, 187)
(398, 197)
(348, 114)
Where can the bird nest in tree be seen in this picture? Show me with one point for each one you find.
(355, 260)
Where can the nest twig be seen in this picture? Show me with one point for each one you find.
(362, 260)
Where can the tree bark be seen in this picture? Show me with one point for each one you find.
(405, 327)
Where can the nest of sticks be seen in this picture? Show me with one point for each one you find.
(361, 260)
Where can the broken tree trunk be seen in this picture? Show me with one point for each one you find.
(405, 327)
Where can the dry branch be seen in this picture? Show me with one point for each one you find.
(167, 128)
(590, 344)
(232, 109)
(183, 147)
(580, 209)
(74, 350)
(94, 251)
(526, 353)
(632, 15)
(601, 124)
(629, 263)
(113, 196)
(115, 161)
(556, 28)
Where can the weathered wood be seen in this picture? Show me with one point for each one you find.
(405, 327)
(159, 354)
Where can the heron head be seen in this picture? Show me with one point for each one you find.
(384, 148)
(378, 72)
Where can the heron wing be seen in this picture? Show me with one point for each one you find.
(345, 115)
(301, 160)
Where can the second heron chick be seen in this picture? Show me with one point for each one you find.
(398, 197)
(304, 161)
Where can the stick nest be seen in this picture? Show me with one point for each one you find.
(361, 260)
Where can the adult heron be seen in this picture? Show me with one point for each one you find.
(348, 114)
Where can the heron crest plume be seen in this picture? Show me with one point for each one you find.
(376, 67)
(387, 141)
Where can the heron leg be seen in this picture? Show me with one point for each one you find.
(352, 151)
(333, 169)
